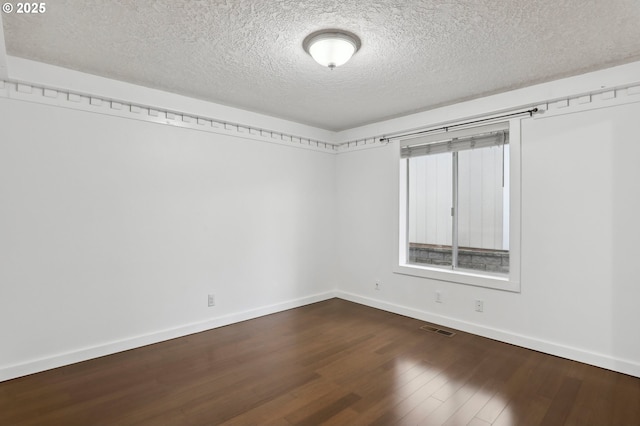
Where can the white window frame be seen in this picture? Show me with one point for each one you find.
(507, 282)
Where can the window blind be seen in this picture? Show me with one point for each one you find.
(458, 140)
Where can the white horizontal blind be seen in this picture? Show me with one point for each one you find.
(458, 140)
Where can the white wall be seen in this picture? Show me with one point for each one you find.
(113, 231)
(580, 236)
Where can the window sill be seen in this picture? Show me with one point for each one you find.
(505, 283)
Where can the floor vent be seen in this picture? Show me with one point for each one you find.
(433, 329)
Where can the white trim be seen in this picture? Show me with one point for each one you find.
(46, 75)
(596, 100)
(458, 277)
(553, 348)
(604, 80)
(92, 103)
(84, 354)
(598, 89)
(588, 357)
(360, 144)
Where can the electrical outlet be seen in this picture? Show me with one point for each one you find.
(212, 300)
(438, 297)
(479, 306)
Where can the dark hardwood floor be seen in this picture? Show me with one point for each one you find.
(333, 362)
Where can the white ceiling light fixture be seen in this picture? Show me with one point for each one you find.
(331, 48)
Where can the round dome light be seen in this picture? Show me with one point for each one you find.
(331, 48)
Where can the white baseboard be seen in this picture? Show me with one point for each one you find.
(587, 357)
(84, 354)
(576, 354)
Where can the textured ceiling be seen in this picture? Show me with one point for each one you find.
(415, 55)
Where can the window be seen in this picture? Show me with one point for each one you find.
(457, 206)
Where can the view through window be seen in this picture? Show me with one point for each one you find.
(458, 201)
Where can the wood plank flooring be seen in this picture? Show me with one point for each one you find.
(334, 363)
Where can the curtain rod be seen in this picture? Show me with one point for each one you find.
(446, 128)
